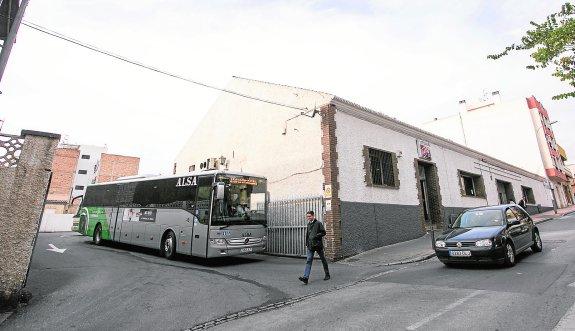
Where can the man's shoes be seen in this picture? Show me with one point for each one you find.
(327, 277)
(303, 279)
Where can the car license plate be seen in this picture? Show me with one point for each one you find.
(246, 250)
(460, 253)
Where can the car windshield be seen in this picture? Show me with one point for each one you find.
(478, 218)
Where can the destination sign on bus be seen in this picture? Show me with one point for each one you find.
(244, 181)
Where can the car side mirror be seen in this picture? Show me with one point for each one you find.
(220, 189)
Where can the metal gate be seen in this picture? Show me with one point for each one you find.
(287, 224)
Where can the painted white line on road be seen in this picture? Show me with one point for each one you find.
(443, 311)
(56, 249)
(568, 320)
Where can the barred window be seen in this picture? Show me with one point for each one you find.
(471, 184)
(381, 166)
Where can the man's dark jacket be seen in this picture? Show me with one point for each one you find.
(314, 234)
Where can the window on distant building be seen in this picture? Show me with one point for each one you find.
(471, 185)
(380, 168)
(78, 187)
(528, 194)
(85, 156)
(82, 172)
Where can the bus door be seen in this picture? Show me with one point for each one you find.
(202, 219)
(114, 223)
(118, 225)
(124, 226)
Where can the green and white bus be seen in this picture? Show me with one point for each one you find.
(206, 214)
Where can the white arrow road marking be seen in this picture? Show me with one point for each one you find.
(55, 249)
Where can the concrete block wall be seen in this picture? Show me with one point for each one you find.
(23, 190)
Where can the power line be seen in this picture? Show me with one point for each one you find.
(145, 66)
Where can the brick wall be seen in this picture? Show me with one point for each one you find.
(114, 166)
(63, 173)
(332, 219)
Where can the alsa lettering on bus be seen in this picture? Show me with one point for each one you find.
(186, 181)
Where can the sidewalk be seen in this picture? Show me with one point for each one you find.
(401, 253)
(549, 215)
(420, 249)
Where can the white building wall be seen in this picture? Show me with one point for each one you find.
(352, 174)
(250, 135)
(504, 131)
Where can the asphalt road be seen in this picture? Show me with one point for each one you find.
(537, 294)
(117, 286)
(111, 287)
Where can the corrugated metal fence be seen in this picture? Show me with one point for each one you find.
(287, 224)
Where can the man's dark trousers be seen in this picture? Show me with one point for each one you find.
(309, 261)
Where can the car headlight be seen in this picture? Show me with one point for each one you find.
(440, 243)
(484, 243)
(218, 241)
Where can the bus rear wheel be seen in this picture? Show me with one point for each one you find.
(169, 246)
(97, 237)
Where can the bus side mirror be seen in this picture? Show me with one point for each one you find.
(220, 189)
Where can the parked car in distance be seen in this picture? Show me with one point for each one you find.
(492, 234)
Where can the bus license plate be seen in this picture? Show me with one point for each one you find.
(460, 253)
(246, 250)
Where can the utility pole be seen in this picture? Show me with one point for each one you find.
(12, 25)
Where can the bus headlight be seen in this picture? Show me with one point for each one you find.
(218, 242)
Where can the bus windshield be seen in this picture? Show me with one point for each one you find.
(243, 203)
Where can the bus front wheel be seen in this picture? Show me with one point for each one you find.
(97, 237)
(169, 246)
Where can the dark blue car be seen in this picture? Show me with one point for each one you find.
(494, 234)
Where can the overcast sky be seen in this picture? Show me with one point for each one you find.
(412, 60)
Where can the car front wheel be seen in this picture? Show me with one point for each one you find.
(509, 255)
(537, 243)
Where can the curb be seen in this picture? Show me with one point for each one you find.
(544, 220)
(419, 259)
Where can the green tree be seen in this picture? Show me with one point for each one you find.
(553, 44)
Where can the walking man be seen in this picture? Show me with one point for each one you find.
(314, 243)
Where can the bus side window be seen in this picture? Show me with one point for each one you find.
(204, 199)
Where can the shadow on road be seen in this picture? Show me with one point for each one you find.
(213, 262)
